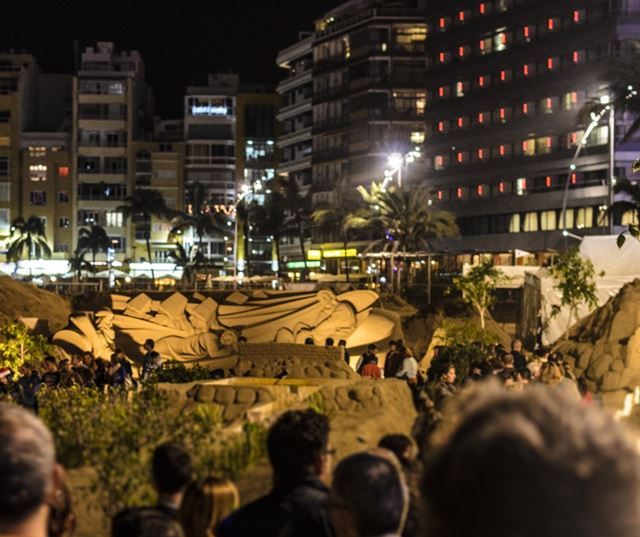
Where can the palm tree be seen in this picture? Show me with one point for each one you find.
(181, 257)
(298, 206)
(28, 234)
(403, 217)
(77, 263)
(270, 219)
(94, 240)
(339, 215)
(140, 208)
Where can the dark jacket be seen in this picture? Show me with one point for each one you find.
(392, 364)
(271, 515)
(519, 360)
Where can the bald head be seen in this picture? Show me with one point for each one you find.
(27, 460)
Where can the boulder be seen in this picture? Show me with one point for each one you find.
(246, 396)
(600, 366)
(225, 395)
(617, 366)
(612, 381)
(205, 394)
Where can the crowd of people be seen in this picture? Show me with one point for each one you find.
(80, 370)
(532, 463)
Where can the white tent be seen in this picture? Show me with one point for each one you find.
(619, 265)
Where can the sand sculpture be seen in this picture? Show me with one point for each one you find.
(191, 329)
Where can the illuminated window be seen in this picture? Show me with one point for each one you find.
(578, 56)
(483, 118)
(549, 105)
(439, 162)
(552, 63)
(462, 122)
(629, 218)
(521, 186)
(37, 173)
(462, 157)
(443, 92)
(462, 87)
(463, 15)
(417, 137)
(584, 217)
(548, 181)
(502, 5)
(464, 51)
(113, 219)
(483, 81)
(528, 32)
(572, 139)
(578, 16)
(544, 145)
(440, 196)
(548, 221)
(504, 150)
(63, 171)
(443, 23)
(502, 115)
(529, 69)
(571, 100)
(483, 153)
(529, 147)
(500, 41)
(505, 75)
(37, 151)
(442, 126)
(486, 45)
(568, 217)
(461, 192)
(530, 222)
(528, 109)
(514, 223)
(444, 57)
(553, 23)
(484, 8)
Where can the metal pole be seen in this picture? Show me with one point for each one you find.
(429, 280)
(400, 175)
(612, 162)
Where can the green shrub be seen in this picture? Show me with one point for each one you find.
(18, 345)
(114, 433)
(176, 372)
(465, 343)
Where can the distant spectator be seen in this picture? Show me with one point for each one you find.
(242, 339)
(372, 370)
(29, 386)
(393, 361)
(144, 522)
(552, 375)
(151, 360)
(88, 359)
(370, 488)
(205, 504)
(29, 476)
(409, 369)
(82, 370)
(445, 384)
(342, 344)
(508, 370)
(533, 463)
(172, 472)
(367, 358)
(479, 370)
(519, 359)
(100, 372)
(68, 377)
(51, 376)
(328, 342)
(309, 341)
(298, 446)
(7, 389)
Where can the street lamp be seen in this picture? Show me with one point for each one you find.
(396, 162)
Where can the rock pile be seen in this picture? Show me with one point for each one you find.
(605, 346)
(234, 400)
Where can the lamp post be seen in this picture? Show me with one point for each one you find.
(396, 162)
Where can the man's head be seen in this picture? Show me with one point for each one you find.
(371, 488)
(144, 522)
(507, 360)
(328, 342)
(26, 369)
(342, 343)
(531, 463)
(77, 360)
(392, 345)
(517, 345)
(149, 345)
(372, 348)
(448, 374)
(171, 467)
(50, 364)
(402, 446)
(87, 359)
(27, 466)
(65, 365)
(297, 445)
(5, 373)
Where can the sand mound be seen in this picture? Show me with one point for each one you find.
(19, 299)
(605, 346)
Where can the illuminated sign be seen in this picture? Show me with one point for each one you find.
(300, 264)
(351, 252)
(208, 110)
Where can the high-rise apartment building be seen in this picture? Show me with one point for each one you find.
(505, 81)
(112, 106)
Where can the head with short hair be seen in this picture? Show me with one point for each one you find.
(149, 344)
(372, 490)
(551, 374)
(392, 345)
(371, 347)
(27, 464)
(50, 363)
(516, 346)
(531, 463)
(309, 341)
(297, 444)
(144, 522)
(205, 504)
(328, 342)
(171, 466)
(65, 365)
(507, 360)
(402, 446)
(342, 343)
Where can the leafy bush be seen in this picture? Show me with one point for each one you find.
(176, 372)
(114, 433)
(465, 343)
(18, 345)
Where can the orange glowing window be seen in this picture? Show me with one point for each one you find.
(460, 157)
(548, 181)
(63, 171)
(441, 91)
(442, 57)
(439, 161)
(549, 63)
(480, 154)
(461, 16)
(482, 44)
(527, 32)
(503, 113)
(481, 81)
(549, 142)
(480, 190)
(502, 150)
(440, 194)
(525, 146)
(501, 187)
(574, 97)
(525, 108)
(443, 22)
(459, 192)
(576, 16)
(551, 24)
(503, 76)
(460, 122)
(525, 70)
(576, 56)
(574, 138)
(503, 38)
(461, 52)
(574, 178)
(549, 103)
(441, 126)
(481, 117)
(482, 8)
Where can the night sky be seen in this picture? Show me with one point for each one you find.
(180, 41)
